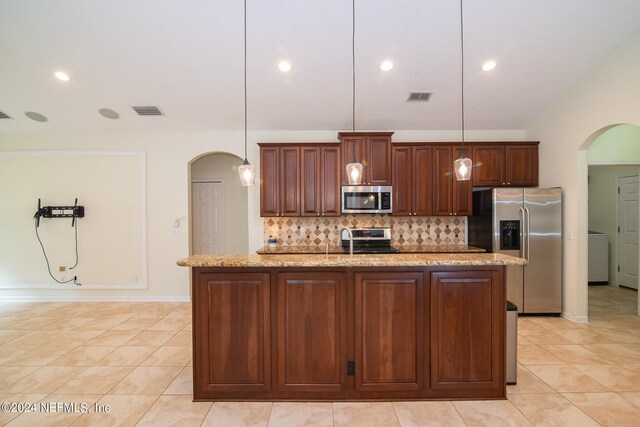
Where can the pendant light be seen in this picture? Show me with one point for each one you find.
(246, 170)
(462, 166)
(354, 169)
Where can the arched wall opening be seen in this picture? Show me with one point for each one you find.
(222, 167)
(610, 151)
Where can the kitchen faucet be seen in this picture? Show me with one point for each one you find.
(350, 239)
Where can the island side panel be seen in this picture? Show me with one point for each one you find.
(232, 329)
(468, 312)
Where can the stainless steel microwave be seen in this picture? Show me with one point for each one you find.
(366, 199)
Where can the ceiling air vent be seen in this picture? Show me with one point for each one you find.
(148, 111)
(419, 96)
(4, 115)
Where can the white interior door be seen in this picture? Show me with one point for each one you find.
(628, 232)
(208, 218)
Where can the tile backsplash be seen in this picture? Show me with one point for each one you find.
(314, 231)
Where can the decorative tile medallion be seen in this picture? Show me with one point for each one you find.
(408, 231)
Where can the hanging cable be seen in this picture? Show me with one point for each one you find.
(75, 226)
(44, 252)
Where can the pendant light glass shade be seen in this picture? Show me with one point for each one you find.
(354, 173)
(247, 173)
(462, 167)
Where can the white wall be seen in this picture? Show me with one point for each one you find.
(168, 155)
(607, 95)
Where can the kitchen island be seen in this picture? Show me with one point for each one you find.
(341, 327)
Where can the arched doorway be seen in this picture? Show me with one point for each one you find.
(608, 154)
(218, 223)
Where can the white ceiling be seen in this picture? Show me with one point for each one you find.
(186, 57)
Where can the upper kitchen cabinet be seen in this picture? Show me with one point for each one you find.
(412, 179)
(320, 180)
(505, 164)
(450, 196)
(279, 180)
(373, 150)
(521, 164)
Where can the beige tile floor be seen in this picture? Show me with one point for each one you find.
(136, 358)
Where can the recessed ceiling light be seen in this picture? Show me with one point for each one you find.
(489, 65)
(61, 75)
(284, 66)
(386, 66)
(108, 113)
(36, 116)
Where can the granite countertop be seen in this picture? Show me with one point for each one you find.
(345, 260)
(333, 249)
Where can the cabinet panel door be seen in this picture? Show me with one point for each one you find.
(232, 349)
(468, 310)
(462, 190)
(389, 331)
(379, 159)
(402, 180)
(269, 177)
(442, 180)
(330, 181)
(522, 164)
(312, 332)
(310, 181)
(353, 148)
(489, 166)
(290, 181)
(422, 181)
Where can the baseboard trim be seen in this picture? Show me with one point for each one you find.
(87, 298)
(574, 318)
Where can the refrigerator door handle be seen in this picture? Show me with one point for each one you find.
(522, 233)
(528, 251)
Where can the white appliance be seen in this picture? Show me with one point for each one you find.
(598, 258)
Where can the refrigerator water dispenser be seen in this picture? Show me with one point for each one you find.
(510, 235)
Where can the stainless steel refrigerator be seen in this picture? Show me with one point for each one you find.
(527, 223)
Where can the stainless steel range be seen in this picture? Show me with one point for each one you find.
(369, 241)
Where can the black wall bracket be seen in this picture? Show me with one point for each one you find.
(72, 212)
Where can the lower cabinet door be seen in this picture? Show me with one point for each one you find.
(468, 311)
(389, 331)
(312, 332)
(233, 345)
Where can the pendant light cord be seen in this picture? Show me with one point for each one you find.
(353, 71)
(245, 81)
(462, 72)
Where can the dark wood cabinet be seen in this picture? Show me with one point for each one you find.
(312, 332)
(389, 310)
(232, 330)
(489, 166)
(506, 164)
(320, 180)
(521, 164)
(280, 180)
(300, 179)
(365, 333)
(467, 333)
(373, 150)
(450, 196)
(412, 180)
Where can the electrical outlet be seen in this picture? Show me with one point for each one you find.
(62, 268)
(303, 231)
